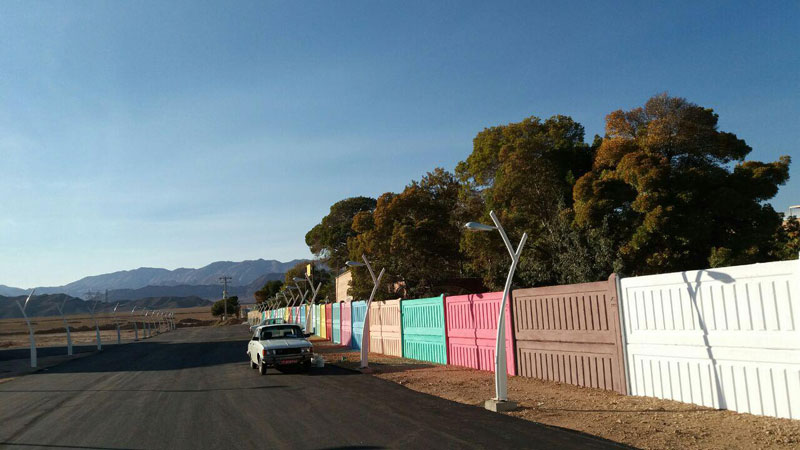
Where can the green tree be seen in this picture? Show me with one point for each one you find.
(270, 289)
(218, 308)
(328, 239)
(414, 235)
(676, 193)
(318, 275)
(525, 172)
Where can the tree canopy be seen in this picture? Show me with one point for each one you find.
(663, 190)
(270, 289)
(231, 304)
(328, 239)
(663, 179)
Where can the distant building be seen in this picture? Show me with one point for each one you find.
(342, 285)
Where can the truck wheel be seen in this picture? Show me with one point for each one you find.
(305, 367)
(262, 368)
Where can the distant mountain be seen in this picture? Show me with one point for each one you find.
(11, 291)
(207, 291)
(46, 305)
(242, 273)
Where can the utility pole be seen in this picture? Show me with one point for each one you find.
(225, 280)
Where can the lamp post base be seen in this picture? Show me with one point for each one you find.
(500, 405)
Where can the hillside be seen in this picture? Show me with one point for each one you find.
(243, 274)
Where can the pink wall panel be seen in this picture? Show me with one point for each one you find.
(347, 324)
(471, 322)
(385, 328)
(329, 321)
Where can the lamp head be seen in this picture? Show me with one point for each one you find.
(298, 279)
(353, 264)
(476, 226)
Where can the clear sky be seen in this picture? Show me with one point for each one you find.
(173, 134)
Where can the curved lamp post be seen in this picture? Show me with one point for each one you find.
(135, 328)
(500, 401)
(96, 326)
(314, 291)
(116, 322)
(30, 327)
(146, 323)
(66, 325)
(365, 332)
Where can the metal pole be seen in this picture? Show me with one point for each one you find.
(96, 326)
(146, 324)
(500, 369)
(365, 332)
(135, 328)
(66, 327)
(30, 328)
(116, 322)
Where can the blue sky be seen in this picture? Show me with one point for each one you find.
(173, 134)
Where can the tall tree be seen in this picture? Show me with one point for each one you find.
(414, 235)
(676, 193)
(270, 289)
(328, 239)
(525, 172)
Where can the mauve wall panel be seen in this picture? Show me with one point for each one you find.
(337, 323)
(347, 326)
(570, 334)
(385, 332)
(358, 310)
(329, 321)
(472, 331)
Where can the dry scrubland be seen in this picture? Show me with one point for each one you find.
(50, 330)
(642, 422)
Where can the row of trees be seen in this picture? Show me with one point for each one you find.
(663, 190)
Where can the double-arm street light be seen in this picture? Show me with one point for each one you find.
(500, 402)
(30, 327)
(66, 325)
(365, 332)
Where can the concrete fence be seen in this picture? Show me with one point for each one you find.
(385, 330)
(347, 325)
(424, 335)
(358, 311)
(570, 334)
(336, 323)
(726, 338)
(472, 331)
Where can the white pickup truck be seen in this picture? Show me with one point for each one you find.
(279, 345)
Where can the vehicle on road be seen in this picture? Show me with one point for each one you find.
(271, 321)
(279, 345)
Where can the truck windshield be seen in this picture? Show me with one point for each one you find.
(288, 331)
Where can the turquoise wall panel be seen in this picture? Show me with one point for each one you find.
(424, 335)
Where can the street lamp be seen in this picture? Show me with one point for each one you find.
(135, 328)
(365, 330)
(500, 402)
(116, 322)
(66, 325)
(30, 327)
(145, 324)
(314, 292)
(96, 326)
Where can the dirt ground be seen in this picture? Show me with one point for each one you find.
(642, 422)
(50, 330)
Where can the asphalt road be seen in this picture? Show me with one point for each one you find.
(193, 389)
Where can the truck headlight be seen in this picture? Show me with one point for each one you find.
(305, 350)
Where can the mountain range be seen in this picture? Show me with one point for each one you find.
(246, 278)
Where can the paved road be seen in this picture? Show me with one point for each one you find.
(193, 389)
(25, 353)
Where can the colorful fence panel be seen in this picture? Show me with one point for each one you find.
(329, 321)
(385, 328)
(316, 320)
(358, 311)
(727, 338)
(423, 332)
(570, 334)
(347, 324)
(322, 319)
(472, 331)
(302, 316)
(337, 323)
